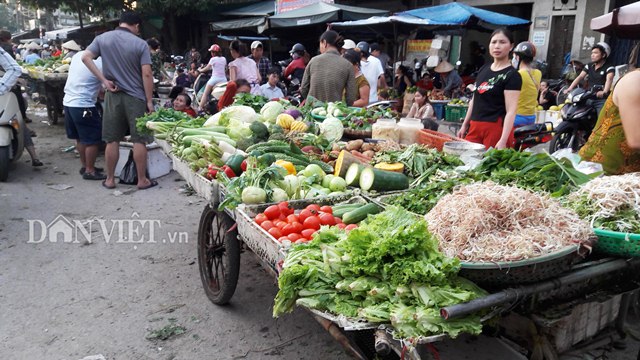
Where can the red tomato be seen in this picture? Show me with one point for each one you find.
(304, 214)
(282, 238)
(351, 227)
(297, 227)
(284, 208)
(338, 220)
(260, 218)
(307, 233)
(267, 224)
(341, 225)
(326, 219)
(272, 212)
(314, 208)
(294, 237)
(311, 223)
(326, 209)
(283, 217)
(275, 232)
(288, 229)
(292, 218)
(279, 224)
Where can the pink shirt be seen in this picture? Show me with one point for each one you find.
(246, 69)
(218, 65)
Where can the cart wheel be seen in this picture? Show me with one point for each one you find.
(218, 255)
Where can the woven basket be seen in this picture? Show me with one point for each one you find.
(523, 271)
(435, 139)
(618, 243)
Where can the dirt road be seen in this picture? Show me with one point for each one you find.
(71, 300)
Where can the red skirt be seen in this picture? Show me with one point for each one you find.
(488, 133)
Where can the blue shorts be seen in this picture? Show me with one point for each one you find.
(522, 120)
(83, 124)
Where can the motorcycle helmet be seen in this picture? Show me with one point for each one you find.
(525, 50)
(364, 48)
(604, 47)
(297, 49)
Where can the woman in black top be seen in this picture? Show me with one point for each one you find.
(492, 110)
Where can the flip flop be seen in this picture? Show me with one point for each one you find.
(104, 184)
(98, 169)
(152, 183)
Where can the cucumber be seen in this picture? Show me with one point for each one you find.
(323, 165)
(361, 213)
(353, 174)
(340, 211)
(381, 180)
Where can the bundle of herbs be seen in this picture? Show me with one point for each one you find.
(537, 172)
(419, 162)
(388, 270)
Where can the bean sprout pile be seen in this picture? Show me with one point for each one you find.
(610, 202)
(486, 222)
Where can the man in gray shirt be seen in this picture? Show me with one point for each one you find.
(127, 76)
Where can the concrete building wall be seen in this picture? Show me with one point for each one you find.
(542, 17)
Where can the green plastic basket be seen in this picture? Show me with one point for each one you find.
(455, 113)
(618, 243)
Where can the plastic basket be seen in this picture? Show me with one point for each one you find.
(435, 139)
(618, 243)
(454, 113)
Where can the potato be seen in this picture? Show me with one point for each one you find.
(336, 147)
(367, 147)
(354, 144)
(369, 153)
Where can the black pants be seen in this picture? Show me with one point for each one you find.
(21, 103)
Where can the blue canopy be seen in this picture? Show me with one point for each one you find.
(458, 14)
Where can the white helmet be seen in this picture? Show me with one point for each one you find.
(604, 47)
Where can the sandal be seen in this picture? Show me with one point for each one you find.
(36, 162)
(94, 176)
(82, 170)
(104, 184)
(152, 183)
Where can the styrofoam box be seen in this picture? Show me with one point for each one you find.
(158, 163)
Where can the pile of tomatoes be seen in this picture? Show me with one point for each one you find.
(283, 223)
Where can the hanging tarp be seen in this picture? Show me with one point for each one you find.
(262, 8)
(321, 13)
(458, 14)
(623, 22)
(59, 34)
(255, 23)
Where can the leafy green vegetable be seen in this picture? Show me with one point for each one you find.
(386, 271)
(168, 116)
(256, 102)
(420, 162)
(538, 172)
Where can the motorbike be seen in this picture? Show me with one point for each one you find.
(529, 136)
(579, 117)
(12, 128)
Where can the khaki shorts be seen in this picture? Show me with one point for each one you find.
(119, 119)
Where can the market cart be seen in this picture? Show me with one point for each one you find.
(50, 86)
(222, 235)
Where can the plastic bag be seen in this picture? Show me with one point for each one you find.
(129, 173)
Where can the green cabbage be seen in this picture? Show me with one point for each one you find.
(271, 110)
(239, 112)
